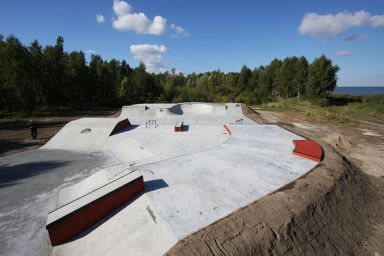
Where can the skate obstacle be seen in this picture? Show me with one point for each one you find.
(309, 149)
(75, 217)
(228, 130)
(179, 126)
(120, 126)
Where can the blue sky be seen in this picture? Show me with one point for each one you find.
(206, 35)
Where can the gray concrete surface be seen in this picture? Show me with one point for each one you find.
(192, 178)
(29, 182)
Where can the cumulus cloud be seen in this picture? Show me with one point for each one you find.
(328, 26)
(100, 18)
(178, 31)
(121, 8)
(127, 20)
(151, 55)
(342, 53)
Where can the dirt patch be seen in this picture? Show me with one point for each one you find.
(335, 209)
(255, 116)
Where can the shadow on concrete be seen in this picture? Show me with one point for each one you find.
(10, 174)
(185, 128)
(177, 109)
(127, 129)
(152, 185)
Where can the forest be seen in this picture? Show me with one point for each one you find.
(35, 77)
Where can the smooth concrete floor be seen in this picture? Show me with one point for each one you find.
(29, 183)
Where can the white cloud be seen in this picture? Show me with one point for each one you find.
(151, 55)
(328, 26)
(90, 51)
(121, 8)
(100, 18)
(178, 31)
(342, 53)
(158, 26)
(126, 20)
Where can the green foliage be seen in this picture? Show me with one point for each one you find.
(321, 78)
(334, 108)
(41, 78)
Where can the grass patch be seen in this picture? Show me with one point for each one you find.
(334, 108)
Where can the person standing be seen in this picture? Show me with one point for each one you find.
(33, 128)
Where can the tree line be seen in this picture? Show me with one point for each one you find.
(33, 77)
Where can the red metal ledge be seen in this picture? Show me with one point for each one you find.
(119, 126)
(228, 130)
(309, 149)
(72, 219)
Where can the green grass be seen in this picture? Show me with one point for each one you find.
(336, 108)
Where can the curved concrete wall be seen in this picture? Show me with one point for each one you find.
(309, 149)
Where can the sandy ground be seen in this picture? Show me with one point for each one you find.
(360, 140)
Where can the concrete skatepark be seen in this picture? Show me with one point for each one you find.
(218, 162)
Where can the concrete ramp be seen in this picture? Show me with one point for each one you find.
(216, 109)
(71, 193)
(85, 134)
(197, 108)
(142, 110)
(75, 217)
(122, 124)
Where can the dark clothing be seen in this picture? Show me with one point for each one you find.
(33, 127)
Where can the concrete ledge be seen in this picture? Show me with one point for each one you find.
(309, 149)
(119, 126)
(77, 216)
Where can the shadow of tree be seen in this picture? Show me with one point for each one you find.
(10, 174)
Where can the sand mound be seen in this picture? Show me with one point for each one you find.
(329, 211)
(339, 141)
